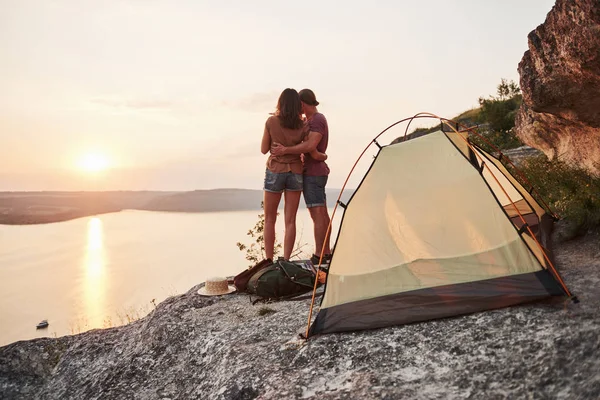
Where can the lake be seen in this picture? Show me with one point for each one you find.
(107, 270)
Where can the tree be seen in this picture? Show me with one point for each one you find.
(507, 90)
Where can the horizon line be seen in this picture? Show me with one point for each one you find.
(140, 190)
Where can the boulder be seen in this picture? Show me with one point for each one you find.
(560, 81)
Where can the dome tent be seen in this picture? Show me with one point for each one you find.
(437, 228)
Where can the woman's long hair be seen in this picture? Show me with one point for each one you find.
(289, 109)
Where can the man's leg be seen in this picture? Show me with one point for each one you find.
(320, 217)
(316, 202)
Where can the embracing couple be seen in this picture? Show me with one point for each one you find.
(296, 165)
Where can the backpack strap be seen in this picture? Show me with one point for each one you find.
(285, 265)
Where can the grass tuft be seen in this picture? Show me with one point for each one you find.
(571, 192)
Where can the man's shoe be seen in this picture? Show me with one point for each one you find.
(315, 259)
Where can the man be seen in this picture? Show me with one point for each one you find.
(315, 172)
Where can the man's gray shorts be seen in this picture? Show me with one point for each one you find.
(314, 191)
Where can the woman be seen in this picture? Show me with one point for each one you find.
(283, 173)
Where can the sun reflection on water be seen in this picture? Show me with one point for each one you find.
(95, 274)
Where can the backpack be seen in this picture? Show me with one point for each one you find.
(281, 280)
(241, 279)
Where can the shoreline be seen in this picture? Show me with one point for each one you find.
(91, 214)
(29, 219)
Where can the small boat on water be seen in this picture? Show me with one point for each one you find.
(43, 324)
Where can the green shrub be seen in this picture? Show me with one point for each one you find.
(498, 114)
(570, 191)
(500, 111)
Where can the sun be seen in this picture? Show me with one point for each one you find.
(93, 162)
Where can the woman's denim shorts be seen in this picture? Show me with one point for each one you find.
(280, 182)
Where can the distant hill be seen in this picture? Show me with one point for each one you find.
(221, 200)
(39, 208)
(206, 201)
(20, 208)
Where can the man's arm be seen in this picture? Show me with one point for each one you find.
(317, 155)
(308, 146)
(265, 145)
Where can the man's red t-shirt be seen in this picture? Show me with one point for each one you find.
(312, 167)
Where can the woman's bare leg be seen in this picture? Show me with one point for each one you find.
(270, 204)
(292, 199)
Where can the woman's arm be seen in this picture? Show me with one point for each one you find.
(265, 145)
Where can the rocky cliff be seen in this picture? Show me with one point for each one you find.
(560, 81)
(193, 347)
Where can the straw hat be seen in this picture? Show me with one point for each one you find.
(216, 287)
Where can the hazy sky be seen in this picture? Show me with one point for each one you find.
(174, 94)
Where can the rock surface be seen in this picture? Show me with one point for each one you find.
(221, 348)
(520, 154)
(560, 82)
